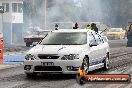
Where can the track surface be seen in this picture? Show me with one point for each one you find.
(120, 62)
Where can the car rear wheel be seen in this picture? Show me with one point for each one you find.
(106, 63)
(86, 63)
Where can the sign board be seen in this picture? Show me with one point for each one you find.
(1, 9)
(17, 17)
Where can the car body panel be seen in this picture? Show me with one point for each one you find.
(96, 55)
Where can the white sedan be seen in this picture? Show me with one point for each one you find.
(63, 51)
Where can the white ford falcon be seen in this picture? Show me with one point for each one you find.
(64, 50)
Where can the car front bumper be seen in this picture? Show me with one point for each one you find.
(60, 66)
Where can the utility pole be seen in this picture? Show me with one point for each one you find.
(2, 11)
(45, 14)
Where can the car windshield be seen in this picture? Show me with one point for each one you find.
(114, 30)
(74, 38)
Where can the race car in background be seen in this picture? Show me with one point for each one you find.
(63, 51)
(116, 33)
(35, 36)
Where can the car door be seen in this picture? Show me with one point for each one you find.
(101, 48)
(93, 53)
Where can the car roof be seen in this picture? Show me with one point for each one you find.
(71, 30)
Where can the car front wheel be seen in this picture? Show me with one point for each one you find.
(86, 63)
(81, 80)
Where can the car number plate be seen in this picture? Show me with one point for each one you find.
(47, 63)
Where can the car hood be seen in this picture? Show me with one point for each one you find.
(56, 49)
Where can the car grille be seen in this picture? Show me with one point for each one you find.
(43, 56)
(48, 68)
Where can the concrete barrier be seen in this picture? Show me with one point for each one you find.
(1, 50)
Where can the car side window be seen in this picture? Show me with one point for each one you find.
(91, 37)
(95, 38)
(101, 39)
(98, 39)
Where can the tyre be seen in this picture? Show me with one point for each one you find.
(86, 63)
(31, 75)
(28, 44)
(129, 44)
(106, 63)
(81, 80)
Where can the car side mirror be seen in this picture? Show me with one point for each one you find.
(34, 43)
(93, 44)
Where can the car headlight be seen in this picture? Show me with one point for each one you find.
(70, 57)
(29, 57)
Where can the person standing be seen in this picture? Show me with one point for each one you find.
(129, 35)
(76, 26)
(95, 28)
(89, 27)
(56, 27)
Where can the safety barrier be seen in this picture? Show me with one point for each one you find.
(1, 50)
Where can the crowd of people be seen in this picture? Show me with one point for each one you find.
(89, 27)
